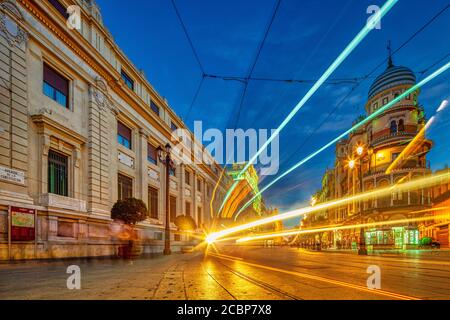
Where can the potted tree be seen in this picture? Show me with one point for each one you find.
(185, 223)
(129, 212)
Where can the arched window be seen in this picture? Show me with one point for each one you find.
(401, 125)
(393, 126)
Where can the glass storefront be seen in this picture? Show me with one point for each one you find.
(397, 236)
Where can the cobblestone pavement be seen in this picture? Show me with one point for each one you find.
(252, 273)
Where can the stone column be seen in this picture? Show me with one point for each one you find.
(141, 167)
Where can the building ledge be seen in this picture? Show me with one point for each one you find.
(57, 201)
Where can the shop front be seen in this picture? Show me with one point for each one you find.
(392, 238)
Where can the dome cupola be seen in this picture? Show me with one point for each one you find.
(391, 77)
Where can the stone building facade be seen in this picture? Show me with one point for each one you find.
(79, 128)
(381, 140)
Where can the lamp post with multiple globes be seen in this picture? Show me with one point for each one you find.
(165, 158)
(361, 151)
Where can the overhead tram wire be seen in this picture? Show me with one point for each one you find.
(441, 70)
(335, 64)
(360, 80)
(244, 91)
(196, 56)
(255, 60)
(186, 33)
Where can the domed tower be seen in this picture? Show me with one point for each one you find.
(387, 136)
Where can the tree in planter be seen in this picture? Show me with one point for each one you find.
(130, 212)
(185, 223)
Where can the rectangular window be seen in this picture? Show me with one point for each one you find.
(123, 135)
(385, 101)
(199, 185)
(125, 187)
(172, 172)
(55, 86)
(60, 8)
(128, 81)
(187, 178)
(188, 208)
(154, 108)
(152, 154)
(153, 202)
(173, 126)
(173, 208)
(58, 177)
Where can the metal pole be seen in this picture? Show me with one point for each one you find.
(167, 250)
(9, 233)
(362, 241)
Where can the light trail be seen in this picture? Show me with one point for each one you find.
(342, 56)
(343, 135)
(318, 278)
(410, 185)
(415, 143)
(355, 226)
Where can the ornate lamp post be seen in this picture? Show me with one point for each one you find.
(360, 152)
(165, 158)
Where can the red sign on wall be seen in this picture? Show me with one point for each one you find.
(23, 224)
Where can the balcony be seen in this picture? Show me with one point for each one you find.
(392, 136)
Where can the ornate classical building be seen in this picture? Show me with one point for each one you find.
(362, 162)
(79, 128)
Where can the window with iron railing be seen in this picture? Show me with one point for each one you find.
(58, 177)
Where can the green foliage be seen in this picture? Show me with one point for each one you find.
(186, 223)
(426, 241)
(129, 211)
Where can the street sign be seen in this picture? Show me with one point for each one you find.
(23, 224)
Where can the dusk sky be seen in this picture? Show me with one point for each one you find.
(305, 38)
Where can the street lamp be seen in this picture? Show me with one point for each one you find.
(165, 158)
(360, 150)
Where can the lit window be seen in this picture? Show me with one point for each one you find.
(128, 81)
(55, 86)
(123, 135)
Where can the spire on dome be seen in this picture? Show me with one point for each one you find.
(390, 63)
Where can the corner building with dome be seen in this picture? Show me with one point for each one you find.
(361, 164)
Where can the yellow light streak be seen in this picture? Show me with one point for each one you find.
(410, 185)
(319, 278)
(416, 142)
(354, 226)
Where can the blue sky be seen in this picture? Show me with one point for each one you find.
(306, 36)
